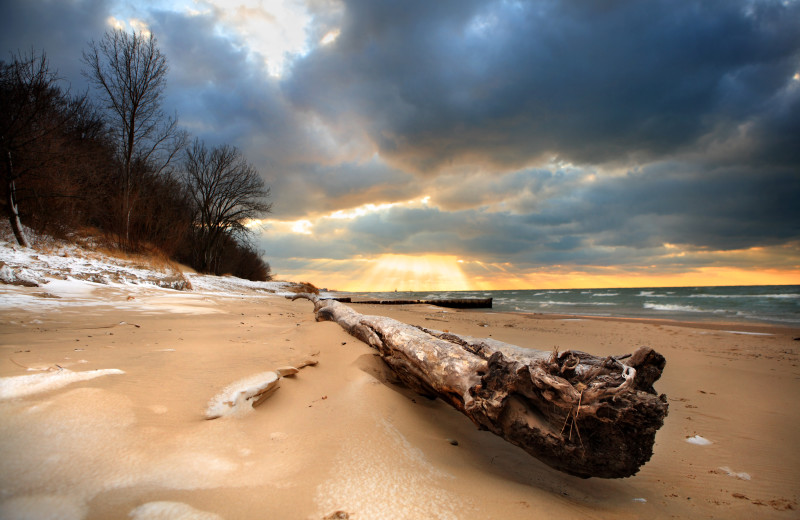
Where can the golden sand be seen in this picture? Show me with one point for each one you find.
(341, 438)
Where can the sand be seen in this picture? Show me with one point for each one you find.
(340, 437)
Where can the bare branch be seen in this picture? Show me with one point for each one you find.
(227, 191)
(130, 73)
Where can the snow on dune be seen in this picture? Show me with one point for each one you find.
(69, 274)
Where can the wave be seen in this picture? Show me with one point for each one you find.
(606, 294)
(551, 302)
(741, 332)
(651, 294)
(672, 307)
(787, 296)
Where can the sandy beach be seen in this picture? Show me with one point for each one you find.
(339, 437)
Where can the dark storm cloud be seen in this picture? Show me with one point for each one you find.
(613, 221)
(724, 208)
(701, 95)
(353, 184)
(60, 28)
(504, 82)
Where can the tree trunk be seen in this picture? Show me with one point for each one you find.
(11, 204)
(581, 414)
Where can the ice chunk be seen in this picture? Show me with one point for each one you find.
(243, 394)
(741, 475)
(700, 441)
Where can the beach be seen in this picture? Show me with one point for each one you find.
(340, 438)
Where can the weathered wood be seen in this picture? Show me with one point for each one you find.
(582, 414)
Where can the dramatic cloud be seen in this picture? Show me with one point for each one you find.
(516, 142)
(505, 83)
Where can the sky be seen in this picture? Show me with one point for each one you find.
(477, 145)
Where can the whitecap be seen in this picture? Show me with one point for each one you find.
(671, 307)
(748, 333)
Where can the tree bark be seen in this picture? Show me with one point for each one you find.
(11, 204)
(581, 414)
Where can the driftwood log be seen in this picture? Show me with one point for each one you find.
(578, 413)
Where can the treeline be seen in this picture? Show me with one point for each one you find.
(113, 162)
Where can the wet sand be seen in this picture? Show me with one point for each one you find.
(340, 436)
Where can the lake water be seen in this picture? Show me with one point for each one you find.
(778, 304)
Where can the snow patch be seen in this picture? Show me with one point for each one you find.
(741, 475)
(73, 275)
(19, 276)
(243, 395)
(22, 386)
(44, 507)
(164, 510)
(71, 288)
(699, 441)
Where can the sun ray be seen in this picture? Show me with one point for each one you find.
(415, 273)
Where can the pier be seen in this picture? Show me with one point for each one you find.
(452, 303)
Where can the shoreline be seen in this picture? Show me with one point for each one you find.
(754, 304)
(710, 324)
(342, 436)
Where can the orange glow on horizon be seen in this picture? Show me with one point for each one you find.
(446, 273)
(706, 276)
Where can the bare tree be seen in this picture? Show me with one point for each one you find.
(130, 72)
(33, 109)
(227, 192)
